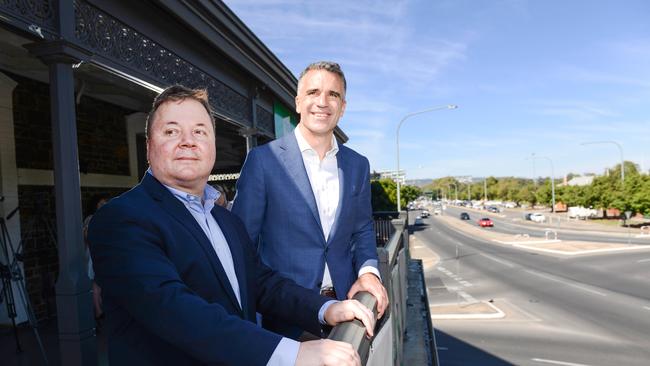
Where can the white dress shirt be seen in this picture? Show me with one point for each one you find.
(324, 180)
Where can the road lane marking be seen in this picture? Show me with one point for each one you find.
(566, 283)
(554, 362)
(505, 263)
(643, 260)
(442, 348)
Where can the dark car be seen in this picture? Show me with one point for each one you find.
(485, 222)
(527, 216)
(493, 209)
(464, 216)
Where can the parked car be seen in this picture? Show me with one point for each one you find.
(464, 216)
(537, 217)
(418, 221)
(485, 222)
(424, 214)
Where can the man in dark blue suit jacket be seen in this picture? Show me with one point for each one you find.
(181, 281)
(305, 200)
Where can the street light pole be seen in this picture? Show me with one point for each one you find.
(532, 155)
(552, 180)
(620, 150)
(450, 106)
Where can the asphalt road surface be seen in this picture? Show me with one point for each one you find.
(513, 223)
(586, 310)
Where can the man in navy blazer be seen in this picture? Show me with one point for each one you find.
(305, 200)
(181, 281)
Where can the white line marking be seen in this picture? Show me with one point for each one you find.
(442, 348)
(566, 283)
(647, 307)
(643, 260)
(632, 247)
(557, 362)
(505, 263)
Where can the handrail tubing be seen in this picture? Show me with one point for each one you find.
(354, 332)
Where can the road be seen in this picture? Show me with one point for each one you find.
(587, 310)
(512, 223)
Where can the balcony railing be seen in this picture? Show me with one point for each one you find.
(386, 347)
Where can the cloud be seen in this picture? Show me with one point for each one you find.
(372, 38)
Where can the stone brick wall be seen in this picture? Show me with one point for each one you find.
(101, 131)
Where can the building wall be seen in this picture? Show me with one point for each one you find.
(103, 154)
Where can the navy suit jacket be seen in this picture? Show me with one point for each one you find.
(166, 296)
(276, 203)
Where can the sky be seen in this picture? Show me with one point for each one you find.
(529, 77)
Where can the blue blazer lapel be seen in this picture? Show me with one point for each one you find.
(291, 157)
(176, 209)
(237, 255)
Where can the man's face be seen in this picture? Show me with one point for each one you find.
(320, 102)
(181, 148)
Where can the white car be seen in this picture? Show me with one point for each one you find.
(418, 221)
(537, 217)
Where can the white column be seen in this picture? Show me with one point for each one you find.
(9, 186)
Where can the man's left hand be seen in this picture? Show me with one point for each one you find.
(343, 311)
(369, 282)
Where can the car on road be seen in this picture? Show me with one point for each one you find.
(537, 217)
(527, 216)
(485, 222)
(437, 211)
(418, 221)
(424, 214)
(493, 209)
(464, 216)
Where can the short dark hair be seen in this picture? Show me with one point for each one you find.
(178, 93)
(330, 66)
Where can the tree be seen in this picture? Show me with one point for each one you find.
(384, 194)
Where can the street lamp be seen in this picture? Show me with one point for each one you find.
(620, 150)
(552, 179)
(449, 106)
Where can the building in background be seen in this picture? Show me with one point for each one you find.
(76, 81)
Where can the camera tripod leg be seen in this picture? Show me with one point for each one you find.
(32, 320)
(7, 294)
(12, 273)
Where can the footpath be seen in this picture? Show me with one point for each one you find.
(448, 302)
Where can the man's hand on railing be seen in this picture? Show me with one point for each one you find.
(347, 310)
(327, 353)
(369, 282)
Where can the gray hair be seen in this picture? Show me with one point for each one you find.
(332, 67)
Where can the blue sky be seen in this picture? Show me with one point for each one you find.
(528, 76)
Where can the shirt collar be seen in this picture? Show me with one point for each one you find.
(303, 145)
(210, 194)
